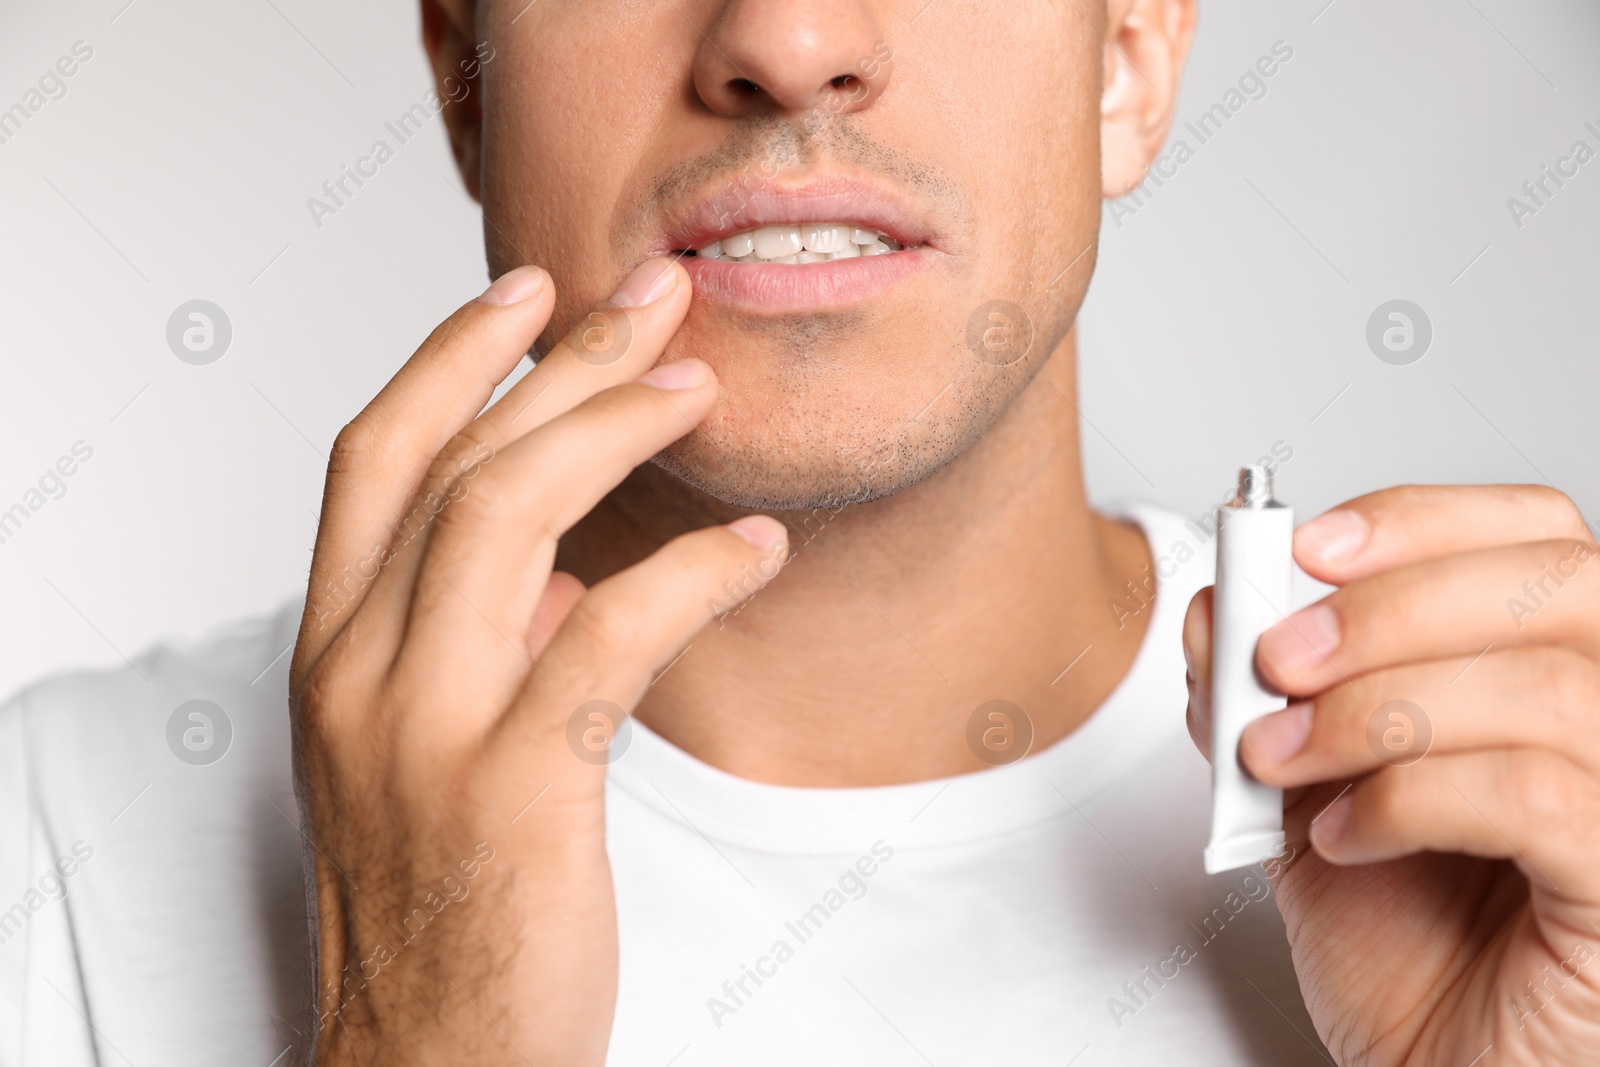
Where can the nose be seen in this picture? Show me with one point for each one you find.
(789, 56)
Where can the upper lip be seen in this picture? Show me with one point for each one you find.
(737, 206)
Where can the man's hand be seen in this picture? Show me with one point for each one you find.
(450, 760)
(1442, 755)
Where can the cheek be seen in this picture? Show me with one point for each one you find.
(1025, 122)
(561, 142)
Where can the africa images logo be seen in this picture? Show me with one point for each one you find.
(199, 732)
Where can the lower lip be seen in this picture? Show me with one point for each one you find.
(777, 289)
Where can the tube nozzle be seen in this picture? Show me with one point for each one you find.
(1255, 488)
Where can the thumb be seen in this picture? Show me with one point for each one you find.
(1197, 655)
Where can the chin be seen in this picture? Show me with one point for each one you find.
(823, 452)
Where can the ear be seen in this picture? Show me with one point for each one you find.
(451, 42)
(1147, 42)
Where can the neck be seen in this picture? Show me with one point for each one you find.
(863, 661)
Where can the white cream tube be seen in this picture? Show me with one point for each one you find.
(1255, 560)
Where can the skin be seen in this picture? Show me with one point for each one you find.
(480, 580)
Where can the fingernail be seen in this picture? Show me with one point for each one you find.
(649, 282)
(763, 531)
(1332, 538)
(514, 286)
(1279, 737)
(1330, 827)
(1301, 642)
(679, 374)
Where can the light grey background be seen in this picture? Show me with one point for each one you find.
(1228, 313)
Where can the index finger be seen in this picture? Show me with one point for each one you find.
(1414, 523)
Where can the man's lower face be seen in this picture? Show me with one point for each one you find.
(887, 222)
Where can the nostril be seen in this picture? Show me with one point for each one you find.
(790, 58)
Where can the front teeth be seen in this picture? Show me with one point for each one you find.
(776, 242)
(810, 243)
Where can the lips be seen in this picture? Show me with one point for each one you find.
(776, 290)
(771, 282)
